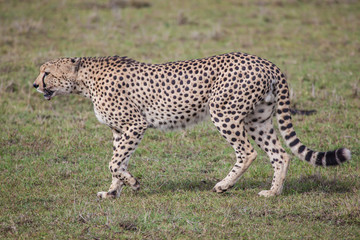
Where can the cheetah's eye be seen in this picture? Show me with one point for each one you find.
(46, 73)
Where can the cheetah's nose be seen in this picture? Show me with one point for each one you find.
(35, 85)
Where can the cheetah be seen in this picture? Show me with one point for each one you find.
(240, 92)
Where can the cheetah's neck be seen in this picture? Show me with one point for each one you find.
(83, 81)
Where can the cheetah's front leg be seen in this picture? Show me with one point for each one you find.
(124, 145)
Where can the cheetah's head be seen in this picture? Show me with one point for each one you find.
(57, 77)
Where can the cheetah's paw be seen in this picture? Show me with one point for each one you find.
(221, 187)
(136, 186)
(108, 194)
(268, 193)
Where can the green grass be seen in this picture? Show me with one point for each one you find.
(54, 155)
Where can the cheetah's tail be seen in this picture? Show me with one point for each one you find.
(330, 158)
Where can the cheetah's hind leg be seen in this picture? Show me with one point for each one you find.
(260, 127)
(232, 129)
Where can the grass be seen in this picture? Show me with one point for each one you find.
(54, 155)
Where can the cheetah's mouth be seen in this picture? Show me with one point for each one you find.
(48, 94)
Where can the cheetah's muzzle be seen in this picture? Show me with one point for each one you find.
(48, 94)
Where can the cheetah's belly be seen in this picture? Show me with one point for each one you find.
(181, 118)
(99, 117)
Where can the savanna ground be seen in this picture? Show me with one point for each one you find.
(54, 155)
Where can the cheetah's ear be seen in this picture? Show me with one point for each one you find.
(75, 64)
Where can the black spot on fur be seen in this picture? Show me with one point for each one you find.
(292, 134)
(294, 143)
(309, 155)
(330, 158)
(319, 158)
(301, 149)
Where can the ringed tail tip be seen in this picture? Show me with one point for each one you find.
(333, 158)
(346, 154)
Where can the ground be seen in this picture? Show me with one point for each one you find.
(54, 155)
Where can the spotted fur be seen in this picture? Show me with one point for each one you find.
(240, 92)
